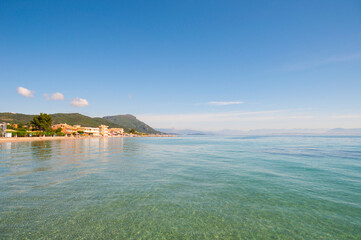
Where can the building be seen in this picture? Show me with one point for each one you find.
(90, 131)
(65, 128)
(77, 127)
(116, 131)
(103, 130)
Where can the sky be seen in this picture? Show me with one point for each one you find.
(203, 65)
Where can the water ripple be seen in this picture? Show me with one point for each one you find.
(182, 188)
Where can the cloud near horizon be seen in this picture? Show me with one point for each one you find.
(350, 116)
(321, 62)
(270, 119)
(25, 92)
(215, 103)
(79, 102)
(55, 96)
(223, 117)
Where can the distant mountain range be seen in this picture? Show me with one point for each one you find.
(184, 131)
(128, 122)
(260, 132)
(119, 121)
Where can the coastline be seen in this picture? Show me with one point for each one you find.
(28, 139)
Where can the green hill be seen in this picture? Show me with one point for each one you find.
(120, 121)
(15, 118)
(69, 118)
(79, 119)
(131, 122)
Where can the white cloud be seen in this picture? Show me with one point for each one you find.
(343, 58)
(351, 116)
(224, 103)
(79, 102)
(54, 96)
(271, 119)
(25, 92)
(276, 119)
(223, 117)
(322, 62)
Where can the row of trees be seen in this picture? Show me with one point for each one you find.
(40, 126)
(42, 123)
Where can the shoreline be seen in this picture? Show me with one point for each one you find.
(28, 139)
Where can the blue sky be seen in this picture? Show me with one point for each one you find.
(186, 64)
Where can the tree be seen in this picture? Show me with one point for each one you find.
(133, 131)
(42, 122)
(3, 129)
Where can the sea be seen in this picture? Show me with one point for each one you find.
(191, 187)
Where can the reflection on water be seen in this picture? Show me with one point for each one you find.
(181, 188)
(42, 150)
(63, 160)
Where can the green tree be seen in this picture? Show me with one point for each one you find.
(3, 130)
(42, 122)
(133, 131)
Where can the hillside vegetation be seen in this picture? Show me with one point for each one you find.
(120, 121)
(15, 118)
(79, 119)
(131, 122)
(69, 118)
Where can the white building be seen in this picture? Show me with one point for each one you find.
(91, 131)
(103, 130)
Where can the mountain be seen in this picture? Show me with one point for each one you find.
(269, 132)
(120, 121)
(343, 131)
(130, 121)
(183, 131)
(69, 118)
(79, 119)
(15, 118)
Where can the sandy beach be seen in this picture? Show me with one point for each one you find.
(26, 139)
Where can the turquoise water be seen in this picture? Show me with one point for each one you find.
(182, 188)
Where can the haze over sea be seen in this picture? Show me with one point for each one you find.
(182, 188)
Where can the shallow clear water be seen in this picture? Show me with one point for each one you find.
(182, 188)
